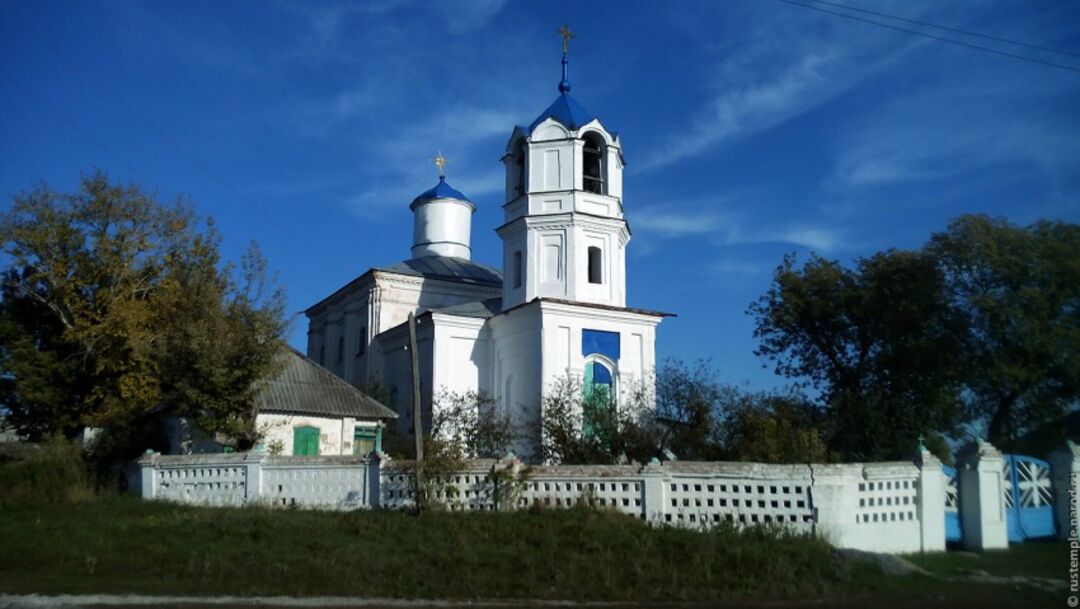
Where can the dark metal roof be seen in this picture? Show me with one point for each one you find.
(482, 309)
(448, 267)
(304, 387)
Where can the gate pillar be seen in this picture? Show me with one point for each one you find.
(1065, 464)
(982, 501)
(931, 499)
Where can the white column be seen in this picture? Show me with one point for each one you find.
(834, 497)
(253, 477)
(931, 502)
(982, 503)
(654, 492)
(147, 475)
(1065, 464)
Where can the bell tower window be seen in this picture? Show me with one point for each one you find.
(517, 269)
(593, 164)
(596, 257)
(520, 160)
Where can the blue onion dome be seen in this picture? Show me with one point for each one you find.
(442, 190)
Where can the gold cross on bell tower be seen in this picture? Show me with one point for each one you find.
(440, 162)
(566, 34)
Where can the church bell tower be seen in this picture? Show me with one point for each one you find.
(564, 235)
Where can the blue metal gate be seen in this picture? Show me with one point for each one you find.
(954, 532)
(1029, 498)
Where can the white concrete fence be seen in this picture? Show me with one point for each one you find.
(896, 507)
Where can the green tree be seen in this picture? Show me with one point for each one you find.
(593, 427)
(1018, 291)
(773, 428)
(690, 406)
(878, 342)
(116, 310)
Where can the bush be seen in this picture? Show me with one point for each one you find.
(57, 473)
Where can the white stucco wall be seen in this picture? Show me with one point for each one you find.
(373, 304)
(335, 434)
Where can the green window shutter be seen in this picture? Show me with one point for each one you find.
(306, 441)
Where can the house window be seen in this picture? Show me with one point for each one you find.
(361, 342)
(593, 165)
(595, 260)
(517, 269)
(366, 440)
(341, 349)
(306, 441)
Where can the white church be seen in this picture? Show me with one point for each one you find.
(557, 309)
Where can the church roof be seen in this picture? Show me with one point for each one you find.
(442, 190)
(304, 387)
(482, 309)
(447, 267)
(567, 111)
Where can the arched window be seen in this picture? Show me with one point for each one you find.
(598, 403)
(596, 259)
(593, 164)
(519, 155)
(517, 269)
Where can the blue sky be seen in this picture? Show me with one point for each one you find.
(752, 128)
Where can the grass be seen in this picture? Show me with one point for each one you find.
(1047, 559)
(59, 536)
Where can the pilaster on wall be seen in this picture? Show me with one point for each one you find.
(654, 496)
(835, 500)
(982, 504)
(253, 477)
(931, 500)
(1065, 464)
(147, 478)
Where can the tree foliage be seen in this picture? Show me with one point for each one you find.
(580, 427)
(978, 326)
(1018, 290)
(116, 309)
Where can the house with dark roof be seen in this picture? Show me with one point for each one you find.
(305, 410)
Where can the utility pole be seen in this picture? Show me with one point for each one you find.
(418, 424)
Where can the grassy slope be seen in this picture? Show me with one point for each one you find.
(124, 545)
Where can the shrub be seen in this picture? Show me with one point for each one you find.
(57, 473)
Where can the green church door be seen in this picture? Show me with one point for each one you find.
(306, 441)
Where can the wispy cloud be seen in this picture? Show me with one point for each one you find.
(726, 230)
(762, 84)
(754, 107)
(463, 16)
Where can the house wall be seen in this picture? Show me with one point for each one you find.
(335, 434)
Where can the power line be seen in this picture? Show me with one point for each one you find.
(935, 37)
(950, 29)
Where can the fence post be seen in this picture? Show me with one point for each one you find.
(253, 477)
(147, 479)
(982, 503)
(834, 499)
(931, 500)
(653, 501)
(1065, 464)
(374, 480)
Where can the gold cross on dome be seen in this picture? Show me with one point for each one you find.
(566, 34)
(440, 162)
